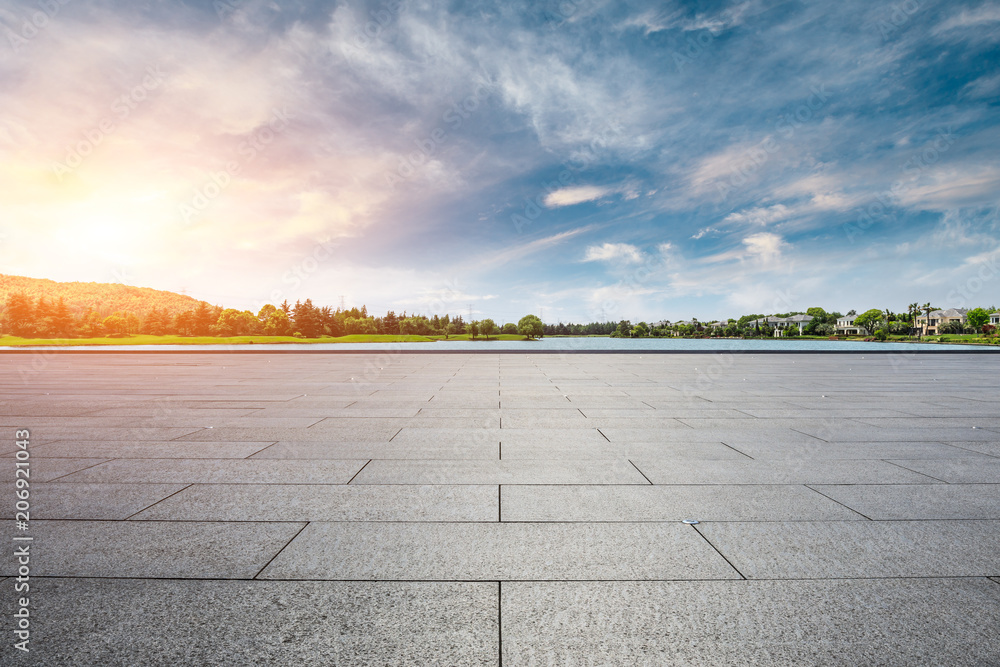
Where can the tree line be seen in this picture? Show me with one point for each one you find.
(26, 317)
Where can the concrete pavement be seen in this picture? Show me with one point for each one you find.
(486, 509)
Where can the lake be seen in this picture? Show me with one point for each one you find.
(555, 345)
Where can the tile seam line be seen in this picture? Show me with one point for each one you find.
(359, 471)
(722, 555)
(187, 486)
(838, 502)
(916, 472)
(285, 546)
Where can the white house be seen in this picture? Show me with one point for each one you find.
(779, 324)
(995, 318)
(846, 327)
(931, 323)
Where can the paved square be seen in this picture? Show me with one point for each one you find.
(517, 509)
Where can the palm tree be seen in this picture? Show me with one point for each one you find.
(913, 310)
(927, 308)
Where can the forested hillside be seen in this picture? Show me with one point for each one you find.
(103, 298)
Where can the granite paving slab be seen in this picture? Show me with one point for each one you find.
(584, 451)
(220, 471)
(153, 549)
(863, 622)
(63, 500)
(615, 471)
(46, 470)
(832, 549)
(301, 502)
(148, 449)
(503, 551)
(469, 449)
(810, 449)
(264, 622)
(778, 471)
(957, 471)
(668, 503)
(918, 501)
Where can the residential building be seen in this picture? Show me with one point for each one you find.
(779, 324)
(931, 323)
(846, 327)
(995, 318)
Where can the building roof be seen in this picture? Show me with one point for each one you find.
(947, 312)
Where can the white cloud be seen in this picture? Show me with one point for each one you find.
(759, 216)
(497, 259)
(576, 195)
(766, 246)
(610, 252)
(986, 14)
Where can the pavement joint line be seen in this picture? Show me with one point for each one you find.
(738, 451)
(640, 472)
(245, 457)
(735, 569)
(899, 465)
(602, 433)
(99, 463)
(838, 502)
(359, 471)
(157, 502)
(304, 526)
(500, 621)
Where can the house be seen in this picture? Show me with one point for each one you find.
(846, 327)
(779, 324)
(931, 323)
(995, 318)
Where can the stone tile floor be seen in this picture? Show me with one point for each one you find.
(517, 509)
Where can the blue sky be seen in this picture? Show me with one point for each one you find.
(579, 159)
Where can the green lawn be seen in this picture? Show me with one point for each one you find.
(14, 341)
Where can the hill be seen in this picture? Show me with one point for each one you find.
(105, 298)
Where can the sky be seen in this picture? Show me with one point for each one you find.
(577, 159)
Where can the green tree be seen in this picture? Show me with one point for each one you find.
(202, 319)
(18, 315)
(62, 319)
(510, 328)
(530, 326)
(278, 323)
(488, 327)
(473, 329)
(976, 318)
(870, 319)
(115, 324)
(640, 330)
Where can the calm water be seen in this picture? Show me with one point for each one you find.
(559, 344)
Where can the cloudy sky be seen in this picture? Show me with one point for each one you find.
(578, 158)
